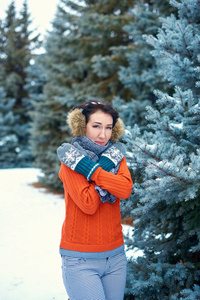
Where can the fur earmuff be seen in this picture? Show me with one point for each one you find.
(77, 124)
(118, 130)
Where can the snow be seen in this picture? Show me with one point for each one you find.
(177, 125)
(30, 227)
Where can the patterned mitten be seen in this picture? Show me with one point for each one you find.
(112, 156)
(76, 160)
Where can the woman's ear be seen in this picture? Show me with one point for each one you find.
(118, 130)
(77, 122)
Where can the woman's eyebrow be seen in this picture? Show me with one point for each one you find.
(101, 123)
(97, 122)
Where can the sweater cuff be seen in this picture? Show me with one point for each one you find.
(106, 163)
(86, 167)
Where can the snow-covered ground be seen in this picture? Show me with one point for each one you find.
(30, 227)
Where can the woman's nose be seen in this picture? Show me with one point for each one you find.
(102, 133)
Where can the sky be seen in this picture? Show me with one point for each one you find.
(42, 12)
(30, 229)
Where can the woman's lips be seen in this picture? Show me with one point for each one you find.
(100, 143)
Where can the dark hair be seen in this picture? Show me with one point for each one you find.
(90, 107)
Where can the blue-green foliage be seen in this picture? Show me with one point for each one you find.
(16, 44)
(8, 138)
(165, 161)
(142, 69)
(141, 76)
(50, 86)
(132, 112)
(42, 121)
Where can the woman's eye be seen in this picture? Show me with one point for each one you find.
(109, 128)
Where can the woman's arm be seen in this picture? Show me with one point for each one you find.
(81, 191)
(119, 185)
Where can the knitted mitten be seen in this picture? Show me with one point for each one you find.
(112, 156)
(76, 160)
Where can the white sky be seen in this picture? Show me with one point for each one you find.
(42, 12)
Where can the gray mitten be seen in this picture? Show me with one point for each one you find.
(76, 160)
(112, 156)
(83, 151)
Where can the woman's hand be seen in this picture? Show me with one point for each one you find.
(112, 156)
(69, 155)
(76, 160)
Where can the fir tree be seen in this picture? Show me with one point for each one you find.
(141, 76)
(42, 122)
(9, 38)
(54, 74)
(16, 46)
(8, 138)
(102, 32)
(166, 167)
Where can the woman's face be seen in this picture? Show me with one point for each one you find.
(99, 127)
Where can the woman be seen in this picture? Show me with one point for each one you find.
(95, 176)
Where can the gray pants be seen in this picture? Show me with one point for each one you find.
(95, 279)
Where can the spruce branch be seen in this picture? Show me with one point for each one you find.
(183, 35)
(172, 153)
(167, 129)
(169, 174)
(172, 102)
(189, 11)
(181, 99)
(168, 57)
(147, 152)
(167, 48)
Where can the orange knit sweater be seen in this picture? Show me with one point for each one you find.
(90, 225)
